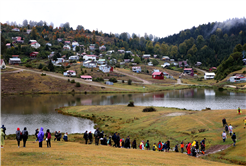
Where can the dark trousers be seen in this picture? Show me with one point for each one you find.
(96, 141)
(40, 144)
(24, 142)
(58, 139)
(182, 150)
(48, 143)
(86, 140)
(18, 142)
(91, 140)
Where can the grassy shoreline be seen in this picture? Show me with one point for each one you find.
(158, 126)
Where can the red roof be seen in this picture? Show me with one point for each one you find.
(18, 38)
(33, 43)
(1, 62)
(86, 77)
(187, 68)
(15, 56)
(71, 71)
(90, 55)
(156, 73)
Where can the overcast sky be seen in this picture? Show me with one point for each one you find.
(160, 18)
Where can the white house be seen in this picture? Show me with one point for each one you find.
(69, 73)
(110, 51)
(2, 64)
(166, 64)
(49, 44)
(35, 45)
(32, 41)
(121, 51)
(16, 29)
(75, 57)
(165, 58)
(105, 68)
(86, 78)
(209, 76)
(150, 64)
(66, 47)
(166, 74)
(101, 61)
(238, 78)
(90, 64)
(102, 48)
(90, 57)
(13, 61)
(136, 69)
(74, 44)
(60, 60)
(146, 56)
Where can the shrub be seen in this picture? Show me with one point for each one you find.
(244, 72)
(68, 66)
(149, 109)
(114, 80)
(45, 68)
(72, 81)
(28, 65)
(40, 66)
(123, 81)
(43, 74)
(129, 82)
(77, 84)
(131, 103)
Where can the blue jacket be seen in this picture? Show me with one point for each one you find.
(41, 135)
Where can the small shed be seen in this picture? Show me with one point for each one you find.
(14, 61)
(109, 83)
(136, 69)
(33, 54)
(209, 76)
(189, 71)
(86, 78)
(69, 73)
(158, 75)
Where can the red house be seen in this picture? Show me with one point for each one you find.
(33, 54)
(158, 75)
(212, 68)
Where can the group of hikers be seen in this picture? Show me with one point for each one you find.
(230, 130)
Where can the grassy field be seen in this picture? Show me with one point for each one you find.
(71, 153)
(164, 124)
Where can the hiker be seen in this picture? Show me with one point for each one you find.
(162, 147)
(244, 122)
(65, 138)
(239, 111)
(56, 135)
(197, 147)
(224, 122)
(147, 145)
(233, 137)
(127, 142)
(134, 144)
(230, 129)
(59, 135)
(182, 146)
(168, 145)
(48, 137)
(193, 149)
(159, 146)
(165, 147)
(226, 129)
(105, 140)
(188, 148)
(36, 134)
(2, 137)
(4, 129)
(101, 137)
(41, 137)
(122, 143)
(109, 141)
(86, 137)
(18, 136)
(96, 135)
(176, 148)
(118, 140)
(24, 136)
(114, 138)
(194, 143)
(90, 137)
(224, 136)
(141, 145)
(154, 147)
(203, 146)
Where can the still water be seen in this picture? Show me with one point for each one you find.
(35, 111)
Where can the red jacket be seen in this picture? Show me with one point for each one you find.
(188, 148)
(159, 146)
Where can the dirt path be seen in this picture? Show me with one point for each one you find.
(201, 70)
(15, 71)
(140, 79)
(52, 74)
(214, 149)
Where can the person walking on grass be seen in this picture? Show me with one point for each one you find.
(226, 129)
(18, 136)
(4, 129)
(134, 144)
(90, 137)
(224, 136)
(168, 145)
(59, 135)
(65, 138)
(188, 148)
(193, 149)
(239, 111)
(147, 145)
(224, 122)
(96, 135)
(203, 146)
(41, 137)
(2, 137)
(233, 137)
(159, 146)
(182, 146)
(154, 147)
(197, 147)
(24, 136)
(177, 148)
(86, 137)
(230, 129)
(48, 138)
(36, 134)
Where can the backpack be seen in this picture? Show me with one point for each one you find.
(49, 135)
(159, 146)
(201, 142)
(95, 133)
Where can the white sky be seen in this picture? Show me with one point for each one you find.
(158, 17)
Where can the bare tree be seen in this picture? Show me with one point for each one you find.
(79, 27)
(25, 22)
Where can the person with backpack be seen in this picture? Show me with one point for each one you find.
(114, 139)
(224, 122)
(165, 147)
(141, 145)
(234, 137)
(41, 137)
(188, 148)
(48, 138)
(18, 136)
(162, 146)
(239, 111)
(154, 147)
(203, 146)
(4, 129)
(182, 146)
(147, 145)
(65, 138)
(230, 129)
(105, 140)
(85, 137)
(56, 135)
(109, 142)
(226, 129)
(118, 140)
(193, 150)
(134, 144)
(36, 134)
(176, 148)
(96, 135)
(224, 136)
(2, 137)
(127, 142)
(159, 146)
(90, 137)
(197, 147)
(24, 136)
(59, 135)
(168, 145)
(101, 137)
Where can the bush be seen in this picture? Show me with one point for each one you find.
(68, 66)
(28, 65)
(72, 81)
(244, 72)
(131, 103)
(43, 74)
(77, 84)
(40, 66)
(45, 68)
(129, 82)
(149, 109)
(123, 81)
(114, 80)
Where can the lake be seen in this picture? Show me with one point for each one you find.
(35, 111)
